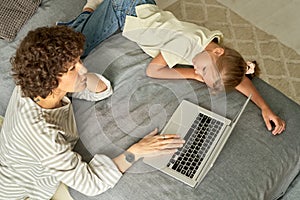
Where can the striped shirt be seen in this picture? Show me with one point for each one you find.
(36, 153)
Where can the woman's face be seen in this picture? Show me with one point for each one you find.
(74, 80)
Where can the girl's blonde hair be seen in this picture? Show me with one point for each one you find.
(233, 67)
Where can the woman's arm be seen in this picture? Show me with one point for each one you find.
(150, 145)
(158, 68)
(246, 87)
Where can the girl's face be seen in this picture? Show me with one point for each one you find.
(205, 66)
(74, 80)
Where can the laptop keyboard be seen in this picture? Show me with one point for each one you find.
(198, 141)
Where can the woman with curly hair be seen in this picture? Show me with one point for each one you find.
(39, 131)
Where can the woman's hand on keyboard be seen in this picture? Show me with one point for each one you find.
(154, 144)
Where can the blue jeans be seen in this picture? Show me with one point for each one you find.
(108, 18)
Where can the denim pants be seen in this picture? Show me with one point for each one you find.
(108, 18)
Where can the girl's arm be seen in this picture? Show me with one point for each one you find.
(158, 68)
(246, 87)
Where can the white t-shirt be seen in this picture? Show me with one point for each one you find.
(156, 31)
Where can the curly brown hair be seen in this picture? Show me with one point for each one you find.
(43, 56)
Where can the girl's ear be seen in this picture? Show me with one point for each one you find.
(218, 51)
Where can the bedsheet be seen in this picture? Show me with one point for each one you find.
(254, 164)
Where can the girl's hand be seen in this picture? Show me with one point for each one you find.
(269, 116)
(153, 145)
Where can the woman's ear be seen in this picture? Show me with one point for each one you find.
(218, 51)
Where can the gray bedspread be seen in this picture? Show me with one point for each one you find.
(254, 164)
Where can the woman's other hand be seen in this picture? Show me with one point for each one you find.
(94, 83)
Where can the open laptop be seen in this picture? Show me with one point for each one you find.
(205, 133)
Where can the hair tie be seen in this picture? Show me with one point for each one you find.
(250, 67)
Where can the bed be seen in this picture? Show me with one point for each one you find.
(254, 164)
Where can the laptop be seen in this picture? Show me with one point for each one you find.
(205, 133)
